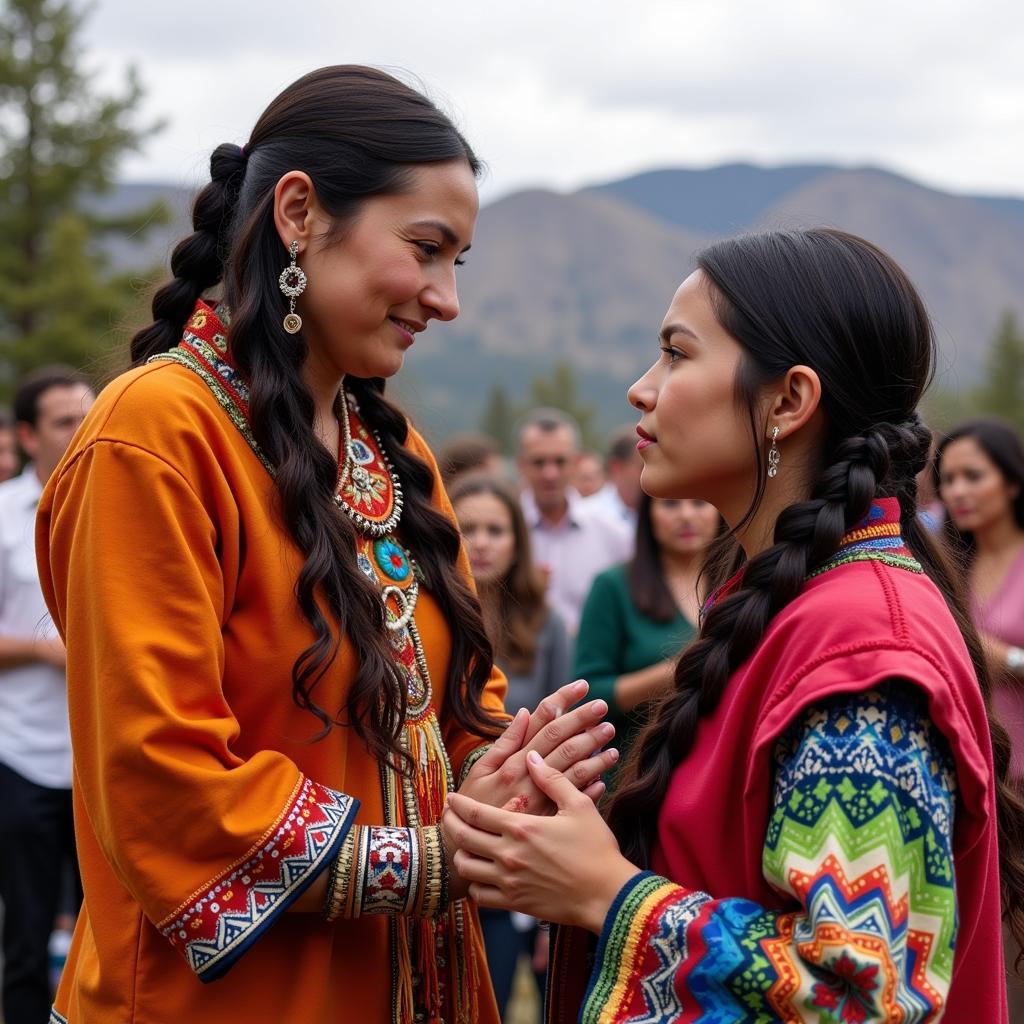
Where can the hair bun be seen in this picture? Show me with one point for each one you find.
(908, 442)
(227, 161)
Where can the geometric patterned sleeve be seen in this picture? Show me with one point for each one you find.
(860, 839)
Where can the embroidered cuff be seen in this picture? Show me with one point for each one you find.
(471, 759)
(646, 906)
(219, 922)
(384, 870)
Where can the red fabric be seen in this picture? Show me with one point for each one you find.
(850, 629)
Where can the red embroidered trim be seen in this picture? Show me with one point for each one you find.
(215, 928)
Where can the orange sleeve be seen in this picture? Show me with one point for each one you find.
(212, 846)
(463, 747)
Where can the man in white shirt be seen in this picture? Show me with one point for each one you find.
(570, 542)
(36, 836)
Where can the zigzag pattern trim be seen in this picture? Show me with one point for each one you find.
(219, 924)
(663, 911)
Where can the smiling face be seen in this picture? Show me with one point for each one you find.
(487, 529)
(390, 273)
(973, 488)
(698, 442)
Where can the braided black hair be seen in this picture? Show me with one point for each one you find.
(356, 132)
(834, 302)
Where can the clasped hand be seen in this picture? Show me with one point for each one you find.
(559, 860)
(566, 740)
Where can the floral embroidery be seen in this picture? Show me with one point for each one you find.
(848, 993)
(216, 925)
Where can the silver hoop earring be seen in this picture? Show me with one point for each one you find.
(774, 455)
(292, 283)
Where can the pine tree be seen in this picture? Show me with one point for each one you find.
(560, 390)
(499, 419)
(1002, 393)
(61, 141)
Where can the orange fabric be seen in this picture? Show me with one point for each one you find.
(173, 585)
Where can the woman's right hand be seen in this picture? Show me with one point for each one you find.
(566, 740)
(566, 868)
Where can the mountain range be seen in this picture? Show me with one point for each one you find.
(586, 276)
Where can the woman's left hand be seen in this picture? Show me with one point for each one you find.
(565, 868)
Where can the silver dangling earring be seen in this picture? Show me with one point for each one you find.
(292, 283)
(774, 455)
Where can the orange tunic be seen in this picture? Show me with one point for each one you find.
(202, 807)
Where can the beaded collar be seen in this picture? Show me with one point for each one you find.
(876, 538)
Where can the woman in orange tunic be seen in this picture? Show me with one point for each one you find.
(276, 666)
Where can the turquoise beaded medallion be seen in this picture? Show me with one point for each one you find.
(391, 560)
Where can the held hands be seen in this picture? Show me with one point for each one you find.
(565, 868)
(567, 741)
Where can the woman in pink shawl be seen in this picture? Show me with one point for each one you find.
(816, 825)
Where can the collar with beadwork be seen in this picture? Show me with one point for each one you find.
(876, 538)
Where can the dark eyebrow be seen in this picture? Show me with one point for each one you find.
(669, 329)
(446, 232)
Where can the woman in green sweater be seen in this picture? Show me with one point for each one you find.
(638, 616)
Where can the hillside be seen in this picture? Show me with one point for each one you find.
(587, 276)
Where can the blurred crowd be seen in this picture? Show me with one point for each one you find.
(579, 574)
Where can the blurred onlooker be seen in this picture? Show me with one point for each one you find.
(571, 542)
(930, 510)
(8, 447)
(588, 477)
(981, 483)
(620, 496)
(530, 646)
(469, 453)
(980, 469)
(36, 834)
(640, 615)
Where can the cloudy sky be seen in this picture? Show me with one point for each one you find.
(564, 92)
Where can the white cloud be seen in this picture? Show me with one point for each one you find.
(564, 93)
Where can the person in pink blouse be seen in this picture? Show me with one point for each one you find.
(980, 472)
(980, 467)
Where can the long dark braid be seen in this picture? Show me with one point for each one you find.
(356, 132)
(197, 261)
(836, 303)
